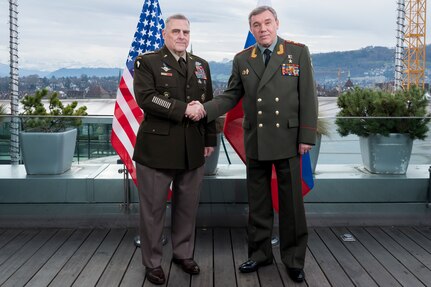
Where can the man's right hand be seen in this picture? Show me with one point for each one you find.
(195, 111)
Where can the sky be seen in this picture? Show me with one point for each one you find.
(97, 33)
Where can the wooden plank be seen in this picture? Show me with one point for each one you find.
(167, 263)
(77, 262)
(417, 237)
(426, 231)
(416, 267)
(98, 262)
(119, 261)
(398, 271)
(45, 275)
(135, 273)
(351, 266)
(11, 265)
(13, 246)
(240, 254)
(224, 268)
(203, 255)
(376, 270)
(314, 275)
(8, 235)
(32, 266)
(417, 251)
(332, 269)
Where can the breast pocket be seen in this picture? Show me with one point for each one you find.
(166, 82)
(156, 127)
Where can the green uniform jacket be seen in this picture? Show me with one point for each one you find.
(279, 101)
(166, 139)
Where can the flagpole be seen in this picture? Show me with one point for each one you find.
(13, 44)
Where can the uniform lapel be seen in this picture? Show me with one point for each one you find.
(190, 66)
(256, 62)
(277, 57)
(169, 60)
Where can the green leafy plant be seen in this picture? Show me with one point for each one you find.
(57, 118)
(367, 103)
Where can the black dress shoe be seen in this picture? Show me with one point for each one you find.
(296, 274)
(251, 266)
(188, 265)
(155, 275)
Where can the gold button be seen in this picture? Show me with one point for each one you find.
(277, 99)
(259, 112)
(259, 100)
(277, 112)
(260, 125)
(277, 125)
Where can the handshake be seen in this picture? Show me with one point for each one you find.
(195, 111)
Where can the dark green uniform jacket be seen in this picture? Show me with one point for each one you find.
(279, 101)
(166, 139)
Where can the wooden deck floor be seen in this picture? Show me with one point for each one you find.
(380, 256)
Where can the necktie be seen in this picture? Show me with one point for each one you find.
(267, 54)
(183, 65)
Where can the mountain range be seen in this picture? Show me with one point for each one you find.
(368, 62)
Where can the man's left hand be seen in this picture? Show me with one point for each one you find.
(208, 151)
(303, 148)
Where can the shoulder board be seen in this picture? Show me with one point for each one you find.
(294, 43)
(193, 56)
(148, 53)
(246, 49)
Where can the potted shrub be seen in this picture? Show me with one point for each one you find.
(386, 123)
(48, 137)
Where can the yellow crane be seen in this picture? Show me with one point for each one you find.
(414, 59)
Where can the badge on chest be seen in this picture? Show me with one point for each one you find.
(290, 70)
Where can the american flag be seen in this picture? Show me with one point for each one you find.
(127, 114)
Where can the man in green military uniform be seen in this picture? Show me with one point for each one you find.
(274, 78)
(171, 148)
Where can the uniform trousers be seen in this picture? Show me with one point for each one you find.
(292, 223)
(153, 187)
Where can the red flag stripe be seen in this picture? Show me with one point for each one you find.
(125, 124)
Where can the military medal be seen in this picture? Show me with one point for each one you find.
(166, 74)
(245, 72)
(200, 72)
(203, 97)
(290, 70)
(290, 59)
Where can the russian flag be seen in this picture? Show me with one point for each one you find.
(233, 132)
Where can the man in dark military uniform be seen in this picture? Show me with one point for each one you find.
(171, 148)
(274, 78)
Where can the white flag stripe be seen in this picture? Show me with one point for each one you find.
(122, 136)
(128, 79)
(125, 108)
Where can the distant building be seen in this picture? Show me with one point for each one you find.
(349, 84)
(97, 91)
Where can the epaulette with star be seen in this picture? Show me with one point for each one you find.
(246, 49)
(294, 43)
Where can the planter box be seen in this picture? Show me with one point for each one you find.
(314, 152)
(386, 155)
(48, 153)
(212, 161)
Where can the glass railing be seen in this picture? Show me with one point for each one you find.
(93, 141)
